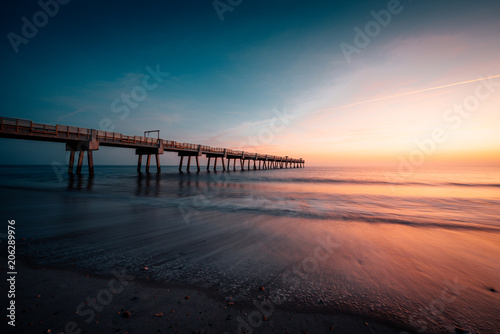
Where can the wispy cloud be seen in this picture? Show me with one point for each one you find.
(405, 94)
(81, 110)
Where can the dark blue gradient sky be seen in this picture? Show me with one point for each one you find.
(227, 76)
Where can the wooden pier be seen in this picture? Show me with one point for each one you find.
(83, 140)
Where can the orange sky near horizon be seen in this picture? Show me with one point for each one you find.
(450, 124)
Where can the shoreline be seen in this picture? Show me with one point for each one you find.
(60, 300)
(341, 272)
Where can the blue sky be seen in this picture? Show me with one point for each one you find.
(228, 79)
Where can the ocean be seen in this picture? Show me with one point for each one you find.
(420, 249)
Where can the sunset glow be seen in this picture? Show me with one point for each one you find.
(250, 166)
(369, 108)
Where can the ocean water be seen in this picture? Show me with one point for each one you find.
(421, 250)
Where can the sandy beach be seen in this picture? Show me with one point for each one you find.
(72, 301)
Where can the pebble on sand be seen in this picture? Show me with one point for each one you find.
(126, 314)
(159, 314)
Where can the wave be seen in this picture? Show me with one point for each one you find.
(379, 182)
(347, 212)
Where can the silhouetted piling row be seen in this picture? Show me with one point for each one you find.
(88, 140)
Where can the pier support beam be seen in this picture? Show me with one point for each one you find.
(158, 167)
(90, 161)
(180, 164)
(148, 162)
(80, 163)
(208, 163)
(197, 164)
(234, 164)
(188, 164)
(215, 164)
(139, 163)
(71, 162)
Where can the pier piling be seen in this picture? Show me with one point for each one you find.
(80, 163)
(71, 162)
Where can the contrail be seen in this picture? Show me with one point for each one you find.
(407, 93)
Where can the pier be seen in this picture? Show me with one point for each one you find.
(86, 141)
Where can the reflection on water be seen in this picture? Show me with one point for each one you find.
(80, 182)
(148, 185)
(424, 251)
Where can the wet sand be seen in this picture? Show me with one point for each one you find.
(57, 300)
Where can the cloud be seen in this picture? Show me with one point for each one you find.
(73, 113)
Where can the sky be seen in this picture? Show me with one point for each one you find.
(337, 83)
